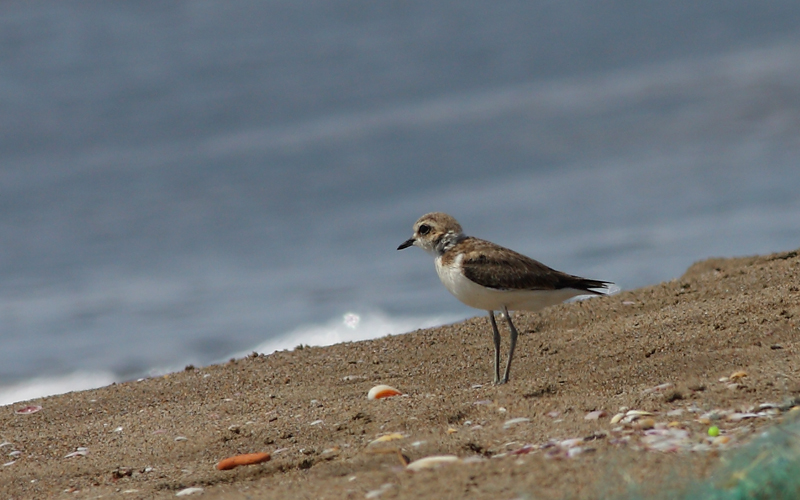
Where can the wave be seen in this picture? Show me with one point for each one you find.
(349, 327)
(50, 386)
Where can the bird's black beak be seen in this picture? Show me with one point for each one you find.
(406, 244)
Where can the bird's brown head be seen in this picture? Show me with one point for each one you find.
(432, 231)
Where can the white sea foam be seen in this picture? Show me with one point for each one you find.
(350, 327)
(346, 328)
(50, 386)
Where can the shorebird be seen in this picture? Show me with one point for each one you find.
(487, 276)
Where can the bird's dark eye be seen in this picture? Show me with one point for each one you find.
(424, 229)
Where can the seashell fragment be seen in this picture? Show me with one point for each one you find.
(386, 438)
(594, 415)
(569, 443)
(188, 491)
(616, 418)
(246, 459)
(383, 391)
(737, 375)
(27, 410)
(574, 451)
(515, 421)
(658, 388)
(432, 462)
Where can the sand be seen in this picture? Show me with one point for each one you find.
(657, 349)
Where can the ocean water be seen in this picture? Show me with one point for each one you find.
(186, 182)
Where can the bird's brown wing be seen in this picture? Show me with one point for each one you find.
(493, 266)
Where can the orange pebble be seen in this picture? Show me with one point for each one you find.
(246, 459)
(383, 391)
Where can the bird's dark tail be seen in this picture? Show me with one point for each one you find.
(591, 286)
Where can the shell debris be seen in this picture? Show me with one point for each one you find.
(432, 462)
(386, 438)
(79, 452)
(188, 491)
(515, 421)
(594, 415)
(27, 410)
(246, 459)
(383, 391)
(633, 415)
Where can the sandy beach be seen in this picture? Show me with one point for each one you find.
(604, 393)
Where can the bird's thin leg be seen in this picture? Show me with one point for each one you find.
(496, 339)
(514, 335)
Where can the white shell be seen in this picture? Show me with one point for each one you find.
(432, 462)
(383, 391)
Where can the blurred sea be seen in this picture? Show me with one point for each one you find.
(182, 182)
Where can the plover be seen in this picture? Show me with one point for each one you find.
(487, 276)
